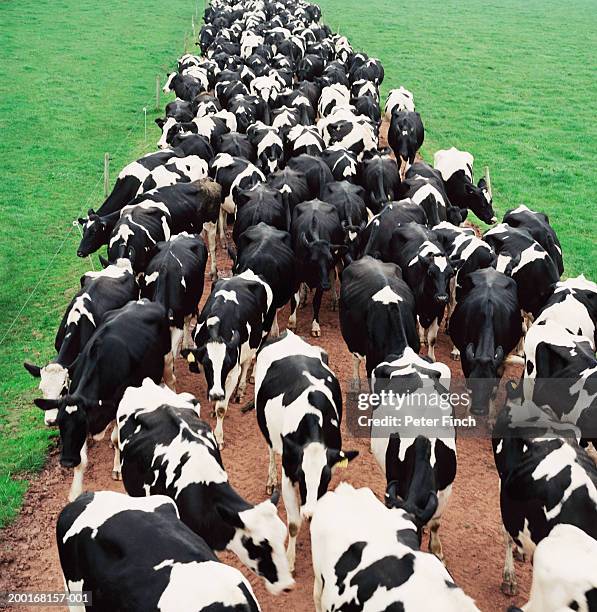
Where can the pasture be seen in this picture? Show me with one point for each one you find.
(514, 84)
(76, 78)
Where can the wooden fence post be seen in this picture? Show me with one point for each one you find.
(157, 92)
(106, 174)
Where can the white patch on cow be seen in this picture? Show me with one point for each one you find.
(579, 282)
(164, 177)
(191, 166)
(425, 191)
(252, 277)
(136, 170)
(200, 585)
(399, 99)
(124, 233)
(270, 139)
(117, 270)
(449, 161)
(386, 296)
(216, 352)
(71, 409)
(162, 143)
(150, 278)
(229, 296)
(529, 255)
(79, 309)
(314, 460)
(105, 504)
(553, 464)
(53, 380)
(572, 315)
(503, 261)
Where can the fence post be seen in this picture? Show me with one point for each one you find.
(157, 92)
(145, 121)
(488, 181)
(106, 174)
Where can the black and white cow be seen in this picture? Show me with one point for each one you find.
(309, 67)
(561, 373)
(398, 100)
(285, 118)
(304, 139)
(331, 97)
(369, 70)
(209, 127)
(103, 539)
(237, 145)
(248, 110)
(181, 110)
(405, 136)
(563, 572)
(377, 313)
(268, 252)
(485, 327)
(527, 262)
(234, 174)
(262, 203)
(380, 178)
(573, 304)
(546, 478)
(268, 145)
(299, 411)
(229, 331)
(318, 242)
(128, 346)
(292, 185)
(342, 162)
(187, 86)
(100, 292)
(367, 557)
(427, 271)
(315, 171)
(537, 224)
(174, 279)
(419, 470)
(348, 200)
(367, 106)
(166, 449)
(345, 129)
(456, 168)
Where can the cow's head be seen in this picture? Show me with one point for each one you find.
(259, 536)
(483, 375)
(73, 422)
(170, 127)
(351, 237)
(478, 199)
(310, 465)
(438, 271)
(217, 356)
(320, 256)
(169, 86)
(53, 383)
(96, 231)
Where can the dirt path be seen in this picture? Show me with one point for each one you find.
(471, 529)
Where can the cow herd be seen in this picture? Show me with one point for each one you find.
(275, 131)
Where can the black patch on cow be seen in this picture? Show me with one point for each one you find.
(263, 553)
(408, 537)
(530, 367)
(348, 562)
(387, 572)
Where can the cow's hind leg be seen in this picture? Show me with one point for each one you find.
(431, 339)
(272, 474)
(116, 474)
(509, 586)
(242, 383)
(435, 545)
(294, 302)
(76, 487)
(211, 232)
(294, 519)
(315, 328)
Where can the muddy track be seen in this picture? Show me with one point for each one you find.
(471, 529)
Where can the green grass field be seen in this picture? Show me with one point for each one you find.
(75, 78)
(512, 82)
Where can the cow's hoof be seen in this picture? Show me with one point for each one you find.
(221, 444)
(519, 555)
(269, 489)
(455, 356)
(291, 325)
(212, 414)
(509, 588)
(252, 379)
(316, 333)
(116, 475)
(237, 399)
(214, 277)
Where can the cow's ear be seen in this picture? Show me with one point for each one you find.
(105, 263)
(34, 370)
(159, 122)
(47, 404)
(230, 516)
(482, 184)
(81, 221)
(341, 458)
